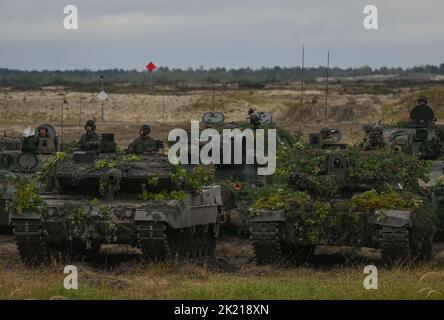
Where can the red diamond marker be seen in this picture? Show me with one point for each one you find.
(151, 66)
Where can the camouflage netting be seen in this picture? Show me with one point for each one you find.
(319, 206)
(154, 167)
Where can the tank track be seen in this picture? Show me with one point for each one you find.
(395, 244)
(266, 243)
(159, 243)
(29, 237)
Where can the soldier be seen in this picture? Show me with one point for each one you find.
(254, 120)
(143, 143)
(327, 135)
(422, 113)
(90, 140)
(375, 138)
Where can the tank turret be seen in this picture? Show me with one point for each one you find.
(419, 137)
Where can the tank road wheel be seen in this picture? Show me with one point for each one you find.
(395, 244)
(206, 243)
(210, 240)
(266, 244)
(30, 242)
(185, 243)
(153, 240)
(194, 243)
(200, 236)
(174, 243)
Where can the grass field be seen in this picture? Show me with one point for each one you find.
(118, 274)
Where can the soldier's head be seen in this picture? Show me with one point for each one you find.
(251, 111)
(422, 100)
(377, 128)
(325, 132)
(43, 133)
(90, 126)
(144, 130)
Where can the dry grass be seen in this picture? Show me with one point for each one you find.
(229, 276)
(125, 112)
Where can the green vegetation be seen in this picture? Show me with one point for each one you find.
(195, 179)
(47, 176)
(26, 196)
(184, 280)
(246, 77)
(308, 192)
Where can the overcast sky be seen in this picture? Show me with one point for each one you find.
(226, 33)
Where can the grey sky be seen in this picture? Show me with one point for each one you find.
(226, 33)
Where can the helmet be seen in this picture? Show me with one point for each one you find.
(325, 130)
(251, 111)
(377, 128)
(90, 123)
(145, 129)
(422, 99)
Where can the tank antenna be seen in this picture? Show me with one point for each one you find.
(62, 120)
(214, 91)
(302, 89)
(163, 123)
(326, 88)
(80, 114)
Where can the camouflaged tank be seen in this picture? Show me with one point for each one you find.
(236, 179)
(421, 137)
(23, 158)
(346, 200)
(112, 198)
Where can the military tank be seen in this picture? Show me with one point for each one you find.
(420, 137)
(23, 157)
(237, 179)
(340, 199)
(111, 198)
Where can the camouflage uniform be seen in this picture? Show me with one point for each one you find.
(143, 144)
(375, 138)
(90, 141)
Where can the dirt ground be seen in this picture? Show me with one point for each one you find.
(124, 113)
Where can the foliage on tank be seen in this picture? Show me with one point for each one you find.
(26, 196)
(310, 196)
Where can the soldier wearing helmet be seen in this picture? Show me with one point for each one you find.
(143, 143)
(90, 140)
(422, 100)
(422, 112)
(375, 138)
(254, 119)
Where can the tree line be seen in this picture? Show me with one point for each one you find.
(167, 76)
